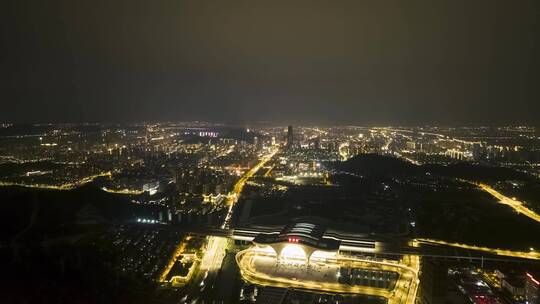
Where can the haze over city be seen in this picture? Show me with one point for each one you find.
(344, 62)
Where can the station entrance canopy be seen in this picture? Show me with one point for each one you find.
(297, 240)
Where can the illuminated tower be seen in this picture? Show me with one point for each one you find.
(290, 137)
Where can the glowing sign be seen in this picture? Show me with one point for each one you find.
(293, 240)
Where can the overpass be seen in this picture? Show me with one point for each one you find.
(354, 244)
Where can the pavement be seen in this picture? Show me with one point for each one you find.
(259, 267)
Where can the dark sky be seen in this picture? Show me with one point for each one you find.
(360, 61)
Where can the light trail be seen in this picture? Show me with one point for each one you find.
(239, 186)
(214, 253)
(518, 206)
(502, 252)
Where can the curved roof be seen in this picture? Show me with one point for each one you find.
(303, 233)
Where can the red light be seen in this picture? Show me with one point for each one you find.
(533, 279)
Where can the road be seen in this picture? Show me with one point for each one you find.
(66, 186)
(176, 254)
(213, 255)
(239, 186)
(202, 286)
(532, 255)
(518, 206)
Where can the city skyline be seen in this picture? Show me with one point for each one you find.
(197, 212)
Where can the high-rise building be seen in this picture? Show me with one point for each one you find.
(290, 137)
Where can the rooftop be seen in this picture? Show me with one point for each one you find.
(304, 233)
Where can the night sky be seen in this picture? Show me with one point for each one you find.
(333, 62)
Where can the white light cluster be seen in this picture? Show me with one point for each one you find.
(147, 221)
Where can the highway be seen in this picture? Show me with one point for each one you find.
(518, 206)
(213, 255)
(200, 287)
(532, 255)
(239, 186)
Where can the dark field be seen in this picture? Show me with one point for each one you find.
(412, 204)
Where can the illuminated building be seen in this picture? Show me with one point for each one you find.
(305, 240)
(305, 255)
(151, 188)
(298, 240)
